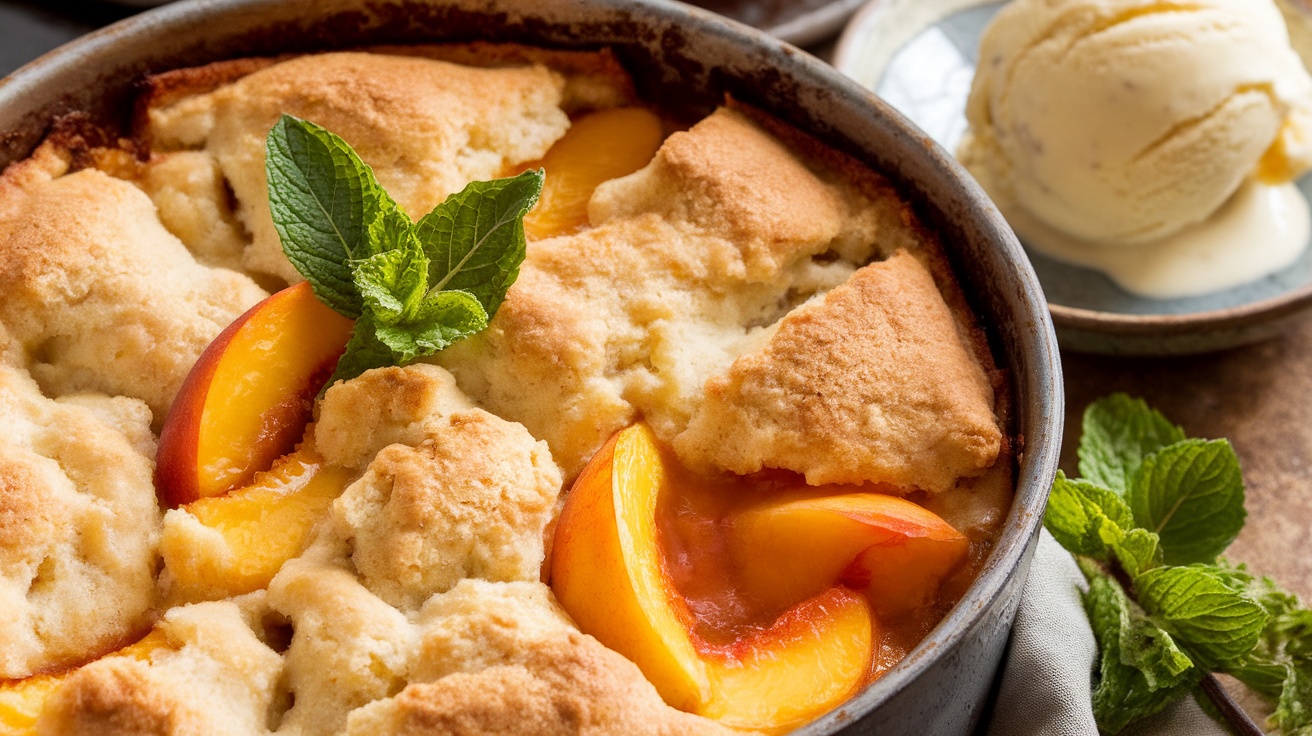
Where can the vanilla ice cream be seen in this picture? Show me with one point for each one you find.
(1123, 122)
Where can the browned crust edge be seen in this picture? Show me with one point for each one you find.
(833, 162)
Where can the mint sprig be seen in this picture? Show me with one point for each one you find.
(413, 289)
(1147, 523)
(1191, 493)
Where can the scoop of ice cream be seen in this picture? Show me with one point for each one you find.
(1124, 121)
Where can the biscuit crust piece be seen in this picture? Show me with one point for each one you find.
(101, 297)
(426, 127)
(687, 263)
(213, 676)
(871, 383)
(503, 658)
(471, 500)
(78, 527)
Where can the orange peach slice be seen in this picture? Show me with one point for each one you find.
(248, 398)
(811, 660)
(792, 548)
(21, 701)
(608, 573)
(598, 147)
(262, 526)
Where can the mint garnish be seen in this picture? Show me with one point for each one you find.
(1147, 523)
(1219, 622)
(413, 288)
(1141, 668)
(1118, 432)
(475, 239)
(1191, 493)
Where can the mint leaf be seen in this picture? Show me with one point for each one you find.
(1137, 550)
(1119, 431)
(475, 239)
(388, 228)
(1186, 499)
(322, 198)
(1142, 669)
(441, 319)
(408, 317)
(413, 288)
(1265, 675)
(1280, 666)
(1191, 494)
(1219, 623)
(363, 351)
(1293, 713)
(1079, 511)
(393, 283)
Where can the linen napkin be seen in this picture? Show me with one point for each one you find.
(1046, 679)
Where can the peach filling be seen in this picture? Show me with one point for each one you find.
(261, 526)
(759, 602)
(598, 147)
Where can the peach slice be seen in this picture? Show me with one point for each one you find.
(248, 398)
(794, 547)
(608, 573)
(811, 660)
(21, 701)
(262, 526)
(598, 147)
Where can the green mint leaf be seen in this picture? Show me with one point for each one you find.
(363, 351)
(1277, 602)
(1218, 623)
(1142, 669)
(441, 319)
(1137, 550)
(1280, 666)
(387, 228)
(1150, 649)
(408, 317)
(1119, 431)
(322, 198)
(413, 288)
(393, 283)
(1079, 514)
(1191, 494)
(1293, 714)
(475, 239)
(1267, 676)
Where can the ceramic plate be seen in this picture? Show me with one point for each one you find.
(919, 55)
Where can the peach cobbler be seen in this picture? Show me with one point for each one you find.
(721, 449)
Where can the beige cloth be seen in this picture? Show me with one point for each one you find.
(1047, 678)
